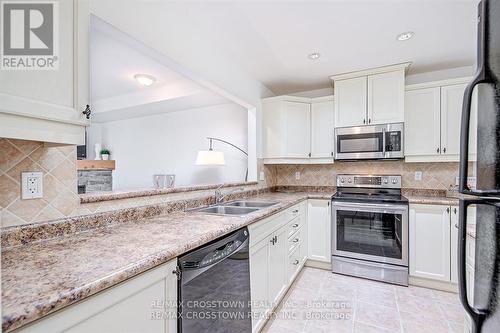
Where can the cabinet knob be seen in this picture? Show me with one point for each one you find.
(455, 211)
(296, 262)
(295, 240)
(310, 154)
(295, 225)
(364, 121)
(448, 210)
(444, 150)
(369, 120)
(437, 150)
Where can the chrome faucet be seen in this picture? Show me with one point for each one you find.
(219, 197)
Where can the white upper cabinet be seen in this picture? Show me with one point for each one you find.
(297, 129)
(350, 102)
(47, 105)
(322, 129)
(369, 97)
(422, 122)
(386, 94)
(433, 114)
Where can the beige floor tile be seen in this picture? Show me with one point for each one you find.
(413, 322)
(453, 312)
(365, 328)
(412, 291)
(329, 326)
(425, 307)
(446, 297)
(385, 297)
(456, 327)
(377, 315)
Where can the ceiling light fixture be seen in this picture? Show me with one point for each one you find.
(145, 79)
(405, 36)
(314, 56)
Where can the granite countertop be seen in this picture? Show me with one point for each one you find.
(41, 277)
(432, 200)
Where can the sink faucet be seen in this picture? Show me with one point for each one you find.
(219, 196)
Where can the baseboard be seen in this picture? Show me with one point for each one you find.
(318, 264)
(433, 284)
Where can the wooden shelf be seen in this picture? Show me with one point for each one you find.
(95, 165)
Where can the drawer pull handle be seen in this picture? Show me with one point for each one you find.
(295, 211)
(295, 240)
(456, 225)
(296, 262)
(295, 225)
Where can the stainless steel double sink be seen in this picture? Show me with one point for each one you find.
(240, 207)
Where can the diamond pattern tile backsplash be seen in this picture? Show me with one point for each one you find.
(58, 165)
(434, 175)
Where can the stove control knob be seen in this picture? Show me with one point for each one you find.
(385, 181)
(394, 180)
(349, 180)
(342, 180)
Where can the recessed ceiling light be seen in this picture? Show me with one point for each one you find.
(145, 79)
(405, 35)
(314, 56)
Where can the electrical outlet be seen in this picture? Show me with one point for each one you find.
(297, 175)
(418, 176)
(471, 182)
(31, 185)
(262, 176)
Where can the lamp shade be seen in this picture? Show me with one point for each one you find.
(210, 157)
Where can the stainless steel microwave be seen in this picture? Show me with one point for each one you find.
(370, 142)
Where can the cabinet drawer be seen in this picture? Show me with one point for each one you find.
(294, 241)
(262, 229)
(295, 211)
(293, 263)
(294, 225)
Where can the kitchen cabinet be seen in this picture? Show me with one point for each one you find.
(275, 259)
(47, 105)
(322, 130)
(386, 92)
(319, 230)
(454, 244)
(145, 303)
(432, 121)
(370, 97)
(430, 241)
(350, 102)
(297, 130)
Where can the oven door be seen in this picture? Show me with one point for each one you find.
(374, 232)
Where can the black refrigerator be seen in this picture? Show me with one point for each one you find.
(483, 204)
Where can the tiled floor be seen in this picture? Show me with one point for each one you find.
(320, 301)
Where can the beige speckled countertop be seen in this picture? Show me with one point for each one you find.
(41, 277)
(432, 200)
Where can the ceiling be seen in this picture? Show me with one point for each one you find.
(271, 39)
(116, 58)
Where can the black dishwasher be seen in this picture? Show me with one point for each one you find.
(214, 287)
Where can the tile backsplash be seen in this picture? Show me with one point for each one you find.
(59, 181)
(434, 175)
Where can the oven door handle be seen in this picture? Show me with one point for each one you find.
(389, 208)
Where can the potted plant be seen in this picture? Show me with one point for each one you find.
(105, 154)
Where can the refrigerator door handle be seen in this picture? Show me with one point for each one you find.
(477, 315)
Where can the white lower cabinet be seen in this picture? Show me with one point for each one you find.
(146, 303)
(433, 242)
(275, 259)
(319, 230)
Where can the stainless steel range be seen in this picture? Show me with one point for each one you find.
(370, 228)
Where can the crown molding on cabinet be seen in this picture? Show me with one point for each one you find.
(298, 99)
(440, 83)
(371, 71)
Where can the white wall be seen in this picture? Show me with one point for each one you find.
(168, 144)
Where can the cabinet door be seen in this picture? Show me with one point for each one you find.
(451, 118)
(430, 242)
(146, 303)
(319, 230)
(454, 244)
(278, 255)
(303, 239)
(298, 129)
(273, 129)
(259, 275)
(350, 102)
(422, 122)
(386, 93)
(322, 129)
